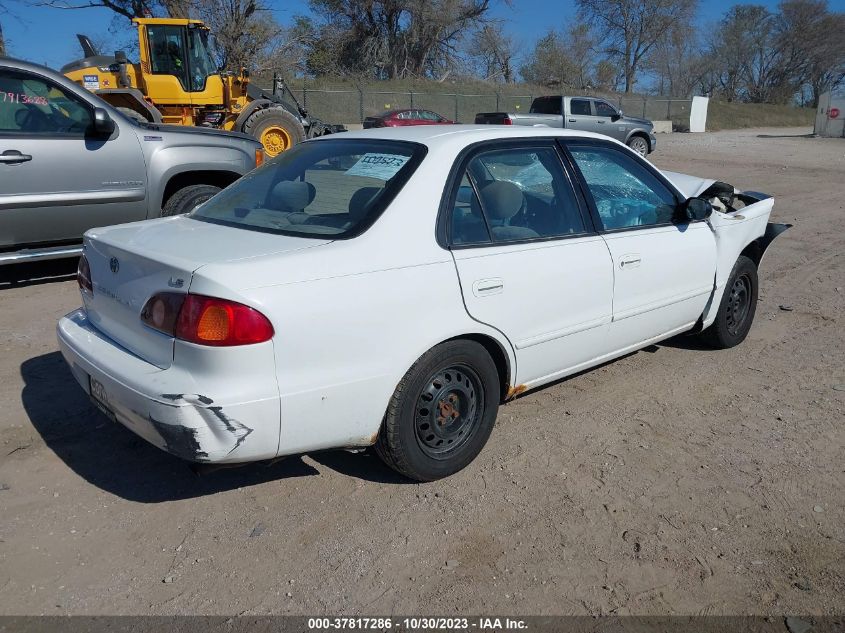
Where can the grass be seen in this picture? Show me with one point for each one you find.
(722, 115)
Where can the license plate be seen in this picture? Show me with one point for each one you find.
(100, 397)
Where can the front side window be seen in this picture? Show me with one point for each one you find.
(321, 189)
(31, 105)
(579, 106)
(514, 194)
(625, 192)
(201, 62)
(604, 109)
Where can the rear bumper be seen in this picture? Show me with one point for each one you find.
(167, 408)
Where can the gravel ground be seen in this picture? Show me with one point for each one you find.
(677, 480)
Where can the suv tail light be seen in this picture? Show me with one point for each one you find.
(83, 276)
(508, 121)
(206, 320)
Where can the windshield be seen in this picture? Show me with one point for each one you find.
(201, 62)
(329, 188)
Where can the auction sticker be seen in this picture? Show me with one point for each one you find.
(381, 166)
(91, 82)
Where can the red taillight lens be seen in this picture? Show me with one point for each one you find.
(507, 121)
(83, 276)
(206, 320)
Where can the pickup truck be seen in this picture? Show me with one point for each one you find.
(70, 162)
(589, 114)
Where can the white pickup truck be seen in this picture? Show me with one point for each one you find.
(590, 114)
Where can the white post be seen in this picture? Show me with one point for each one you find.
(698, 114)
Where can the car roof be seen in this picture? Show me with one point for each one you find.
(441, 135)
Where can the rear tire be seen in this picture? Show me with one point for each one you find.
(187, 199)
(275, 128)
(442, 412)
(737, 308)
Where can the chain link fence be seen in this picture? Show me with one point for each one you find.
(351, 105)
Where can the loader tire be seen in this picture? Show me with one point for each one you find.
(276, 129)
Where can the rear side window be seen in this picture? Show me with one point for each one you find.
(579, 106)
(328, 188)
(546, 105)
(514, 194)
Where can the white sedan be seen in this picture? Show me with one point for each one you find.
(393, 287)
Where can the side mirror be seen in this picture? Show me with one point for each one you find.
(616, 116)
(103, 123)
(120, 57)
(696, 209)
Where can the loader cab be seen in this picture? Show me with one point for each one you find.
(176, 61)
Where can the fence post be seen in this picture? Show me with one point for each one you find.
(645, 101)
(411, 92)
(497, 101)
(304, 95)
(668, 109)
(360, 102)
(456, 107)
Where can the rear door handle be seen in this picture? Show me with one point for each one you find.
(485, 287)
(630, 261)
(573, 120)
(12, 156)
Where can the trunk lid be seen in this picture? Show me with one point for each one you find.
(132, 262)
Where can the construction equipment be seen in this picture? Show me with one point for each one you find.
(177, 82)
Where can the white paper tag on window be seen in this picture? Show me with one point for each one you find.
(381, 166)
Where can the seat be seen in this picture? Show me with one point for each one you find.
(361, 203)
(503, 200)
(292, 197)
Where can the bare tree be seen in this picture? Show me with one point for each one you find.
(493, 50)
(245, 33)
(678, 62)
(631, 28)
(2, 42)
(394, 38)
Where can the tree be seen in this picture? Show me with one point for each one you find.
(629, 29)
(493, 50)
(244, 31)
(393, 38)
(2, 42)
(678, 62)
(550, 63)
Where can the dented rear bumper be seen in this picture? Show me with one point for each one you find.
(233, 418)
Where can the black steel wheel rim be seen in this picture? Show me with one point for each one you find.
(448, 411)
(739, 304)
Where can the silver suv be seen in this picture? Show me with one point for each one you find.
(70, 162)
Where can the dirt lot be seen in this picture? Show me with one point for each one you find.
(674, 481)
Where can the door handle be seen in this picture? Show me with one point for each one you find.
(573, 120)
(12, 156)
(630, 261)
(485, 287)
(600, 121)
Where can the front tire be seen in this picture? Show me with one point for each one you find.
(187, 199)
(442, 412)
(737, 308)
(639, 145)
(275, 128)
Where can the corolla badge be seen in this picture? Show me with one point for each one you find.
(114, 265)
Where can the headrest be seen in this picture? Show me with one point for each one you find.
(501, 199)
(361, 201)
(291, 195)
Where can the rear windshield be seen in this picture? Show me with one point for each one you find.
(331, 188)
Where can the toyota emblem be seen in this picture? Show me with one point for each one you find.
(114, 265)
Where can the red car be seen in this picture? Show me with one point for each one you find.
(411, 116)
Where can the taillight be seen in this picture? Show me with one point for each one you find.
(507, 121)
(259, 157)
(206, 320)
(83, 276)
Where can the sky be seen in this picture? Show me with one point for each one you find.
(47, 35)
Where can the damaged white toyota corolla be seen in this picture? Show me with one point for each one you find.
(393, 287)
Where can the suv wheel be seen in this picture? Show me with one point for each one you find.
(187, 199)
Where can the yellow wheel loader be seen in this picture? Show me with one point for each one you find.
(177, 82)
